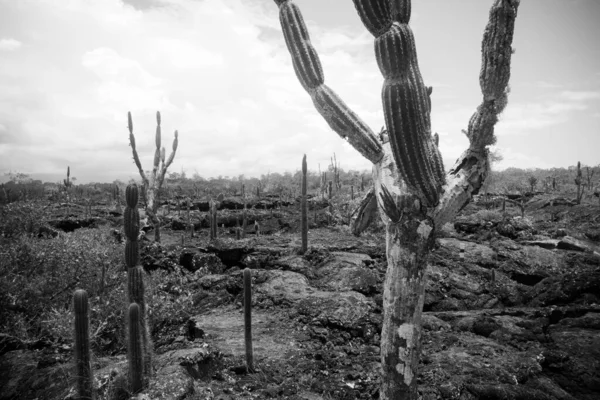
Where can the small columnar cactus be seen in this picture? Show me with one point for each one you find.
(131, 220)
(135, 355)
(248, 318)
(304, 208)
(214, 231)
(135, 272)
(578, 181)
(82, 346)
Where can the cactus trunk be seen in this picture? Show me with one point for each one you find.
(408, 244)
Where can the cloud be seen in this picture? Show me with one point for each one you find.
(523, 118)
(581, 96)
(9, 44)
(219, 73)
(547, 85)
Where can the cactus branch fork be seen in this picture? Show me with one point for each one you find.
(414, 194)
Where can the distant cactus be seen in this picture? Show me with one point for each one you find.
(135, 354)
(304, 208)
(68, 183)
(82, 346)
(578, 182)
(244, 220)
(248, 318)
(153, 185)
(214, 231)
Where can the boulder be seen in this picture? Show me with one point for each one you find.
(348, 271)
(194, 260)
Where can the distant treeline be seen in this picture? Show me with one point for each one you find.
(561, 179)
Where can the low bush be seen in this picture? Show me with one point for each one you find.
(38, 277)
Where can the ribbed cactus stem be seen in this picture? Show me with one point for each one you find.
(82, 346)
(136, 290)
(131, 195)
(304, 207)
(248, 319)
(131, 220)
(135, 355)
(407, 108)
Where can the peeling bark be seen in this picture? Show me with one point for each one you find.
(408, 243)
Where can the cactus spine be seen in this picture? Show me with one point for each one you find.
(153, 185)
(248, 318)
(135, 354)
(82, 346)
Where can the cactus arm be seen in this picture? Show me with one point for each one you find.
(470, 170)
(167, 164)
(136, 158)
(310, 74)
(157, 150)
(406, 100)
(496, 50)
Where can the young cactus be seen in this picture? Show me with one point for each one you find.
(304, 207)
(248, 319)
(82, 346)
(135, 272)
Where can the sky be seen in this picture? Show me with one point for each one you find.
(220, 74)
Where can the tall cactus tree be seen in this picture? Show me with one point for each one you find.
(152, 186)
(414, 194)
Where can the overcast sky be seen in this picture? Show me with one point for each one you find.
(219, 73)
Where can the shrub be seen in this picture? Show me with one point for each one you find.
(20, 218)
(38, 277)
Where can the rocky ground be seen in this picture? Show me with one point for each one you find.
(512, 312)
